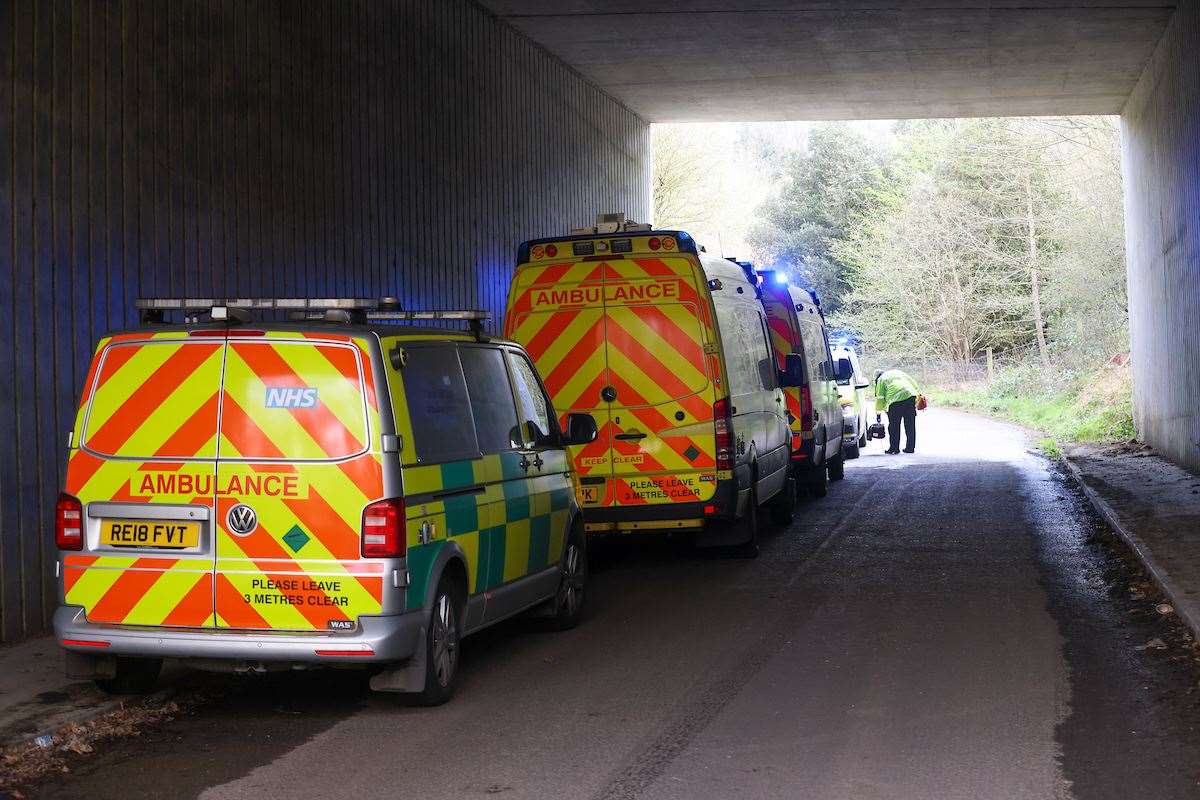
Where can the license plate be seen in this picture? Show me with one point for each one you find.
(149, 533)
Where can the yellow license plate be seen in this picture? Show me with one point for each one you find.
(149, 533)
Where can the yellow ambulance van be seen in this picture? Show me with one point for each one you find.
(667, 348)
(330, 490)
(800, 341)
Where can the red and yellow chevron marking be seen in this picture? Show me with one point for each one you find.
(784, 340)
(264, 580)
(640, 326)
(155, 397)
(306, 469)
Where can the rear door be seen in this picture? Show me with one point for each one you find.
(299, 458)
(658, 335)
(557, 312)
(143, 465)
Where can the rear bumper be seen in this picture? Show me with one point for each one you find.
(664, 516)
(378, 639)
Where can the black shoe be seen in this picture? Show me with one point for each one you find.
(910, 451)
(891, 452)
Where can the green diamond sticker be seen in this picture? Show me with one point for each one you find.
(295, 538)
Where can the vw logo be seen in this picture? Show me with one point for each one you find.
(241, 520)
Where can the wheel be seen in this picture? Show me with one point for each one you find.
(783, 505)
(817, 482)
(134, 676)
(568, 602)
(837, 466)
(850, 451)
(442, 646)
(747, 527)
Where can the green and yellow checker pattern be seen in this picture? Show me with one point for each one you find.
(514, 526)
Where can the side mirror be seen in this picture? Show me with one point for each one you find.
(792, 373)
(529, 431)
(581, 429)
(845, 371)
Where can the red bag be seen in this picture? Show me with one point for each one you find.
(922, 403)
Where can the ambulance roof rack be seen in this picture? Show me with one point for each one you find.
(612, 223)
(329, 309)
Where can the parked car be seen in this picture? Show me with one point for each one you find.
(667, 347)
(856, 405)
(268, 496)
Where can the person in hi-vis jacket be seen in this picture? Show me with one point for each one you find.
(896, 392)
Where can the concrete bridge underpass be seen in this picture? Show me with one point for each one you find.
(406, 146)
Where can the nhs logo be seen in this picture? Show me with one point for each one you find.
(291, 397)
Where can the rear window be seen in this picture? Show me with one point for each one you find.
(438, 406)
(155, 399)
(293, 400)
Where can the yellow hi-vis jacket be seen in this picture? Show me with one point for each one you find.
(893, 386)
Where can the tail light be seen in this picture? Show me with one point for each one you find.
(68, 523)
(806, 409)
(723, 426)
(383, 529)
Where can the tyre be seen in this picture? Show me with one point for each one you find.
(783, 505)
(850, 451)
(817, 482)
(837, 466)
(134, 676)
(568, 601)
(442, 646)
(747, 527)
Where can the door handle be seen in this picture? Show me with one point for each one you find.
(630, 436)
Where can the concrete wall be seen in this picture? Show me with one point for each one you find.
(1161, 143)
(261, 147)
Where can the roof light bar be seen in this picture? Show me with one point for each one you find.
(269, 303)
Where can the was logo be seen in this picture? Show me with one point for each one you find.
(291, 397)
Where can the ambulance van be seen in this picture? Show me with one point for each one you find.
(667, 348)
(800, 342)
(332, 490)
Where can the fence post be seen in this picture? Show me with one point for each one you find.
(991, 366)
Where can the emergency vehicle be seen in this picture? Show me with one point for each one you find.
(329, 489)
(800, 341)
(853, 394)
(667, 348)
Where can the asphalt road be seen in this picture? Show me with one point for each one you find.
(943, 625)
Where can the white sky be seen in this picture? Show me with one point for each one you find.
(741, 184)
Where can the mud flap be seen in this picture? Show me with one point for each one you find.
(83, 666)
(406, 677)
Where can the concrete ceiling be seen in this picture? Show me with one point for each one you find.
(683, 60)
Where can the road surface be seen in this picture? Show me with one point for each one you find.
(943, 625)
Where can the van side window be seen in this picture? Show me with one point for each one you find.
(492, 404)
(745, 347)
(438, 406)
(815, 352)
(534, 407)
(767, 375)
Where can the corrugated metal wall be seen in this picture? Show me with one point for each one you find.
(253, 147)
(1160, 129)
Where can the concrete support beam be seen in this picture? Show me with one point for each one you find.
(1160, 128)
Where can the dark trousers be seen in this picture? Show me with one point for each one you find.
(904, 410)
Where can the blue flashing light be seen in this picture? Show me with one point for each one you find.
(781, 279)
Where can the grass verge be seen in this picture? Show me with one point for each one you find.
(1096, 406)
